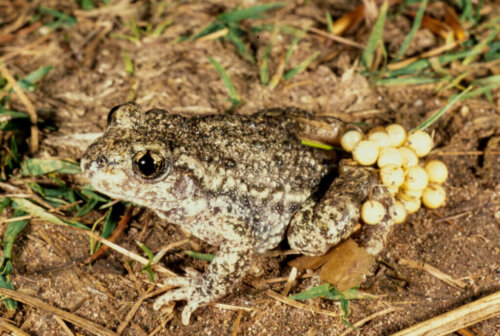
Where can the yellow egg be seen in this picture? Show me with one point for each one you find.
(416, 178)
(365, 152)
(434, 196)
(389, 156)
(392, 176)
(437, 171)
(392, 190)
(398, 212)
(372, 212)
(411, 206)
(381, 138)
(350, 139)
(397, 134)
(409, 157)
(409, 195)
(420, 142)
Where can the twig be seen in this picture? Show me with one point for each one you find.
(236, 325)
(90, 326)
(448, 220)
(456, 319)
(16, 190)
(232, 307)
(213, 36)
(4, 323)
(14, 219)
(63, 325)
(460, 215)
(433, 271)
(337, 38)
(26, 102)
(431, 53)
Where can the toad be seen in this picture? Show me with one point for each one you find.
(240, 182)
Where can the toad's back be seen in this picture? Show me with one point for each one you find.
(258, 154)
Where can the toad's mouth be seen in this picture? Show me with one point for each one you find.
(149, 202)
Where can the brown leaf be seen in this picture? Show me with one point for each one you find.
(347, 266)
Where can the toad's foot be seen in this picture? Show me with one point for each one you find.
(191, 290)
(228, 268)
(319, 225)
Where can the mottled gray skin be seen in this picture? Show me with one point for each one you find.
(238, 182)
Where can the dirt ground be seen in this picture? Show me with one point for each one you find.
(89, 77)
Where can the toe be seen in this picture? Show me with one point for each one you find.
(173, 295)
(188, 310)
(180, 282)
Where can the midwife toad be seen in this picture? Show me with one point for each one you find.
(236, 181)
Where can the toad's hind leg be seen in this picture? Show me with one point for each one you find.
(322, 224)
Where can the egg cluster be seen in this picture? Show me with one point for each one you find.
(397, 154)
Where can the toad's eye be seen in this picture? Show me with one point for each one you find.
(148, 164)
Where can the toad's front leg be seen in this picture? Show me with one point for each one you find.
(230, 265)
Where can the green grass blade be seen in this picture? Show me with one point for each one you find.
(232, 36)
(442, 111)
(478, 48)
(407, 81)
(110, 223)
(129, 66)
(4, 203)
(162, 26)
(424, 63)
(376, 37)
(329, 22)
(91, 204)
(233, 94)
(495, 79)
(493, 53)
(482, 90)
(413, 31)
(316, 144)
(13, 114)
(62, 18)
(264, 64)
(467, 8)
(201, 256)
(87, 4)
(209, 29)
(35, 167)
(37, 211)
(318, 291)
(28, 82)
(13, 229)
(247, 13)
(91, 194)
(294, 44)
(9, 303)
(301, 67)
(147, 267)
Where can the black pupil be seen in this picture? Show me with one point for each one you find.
(147, 164)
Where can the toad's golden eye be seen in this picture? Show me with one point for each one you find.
(148, 164)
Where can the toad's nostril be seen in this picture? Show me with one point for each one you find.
(98, 161)
(101, 160)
